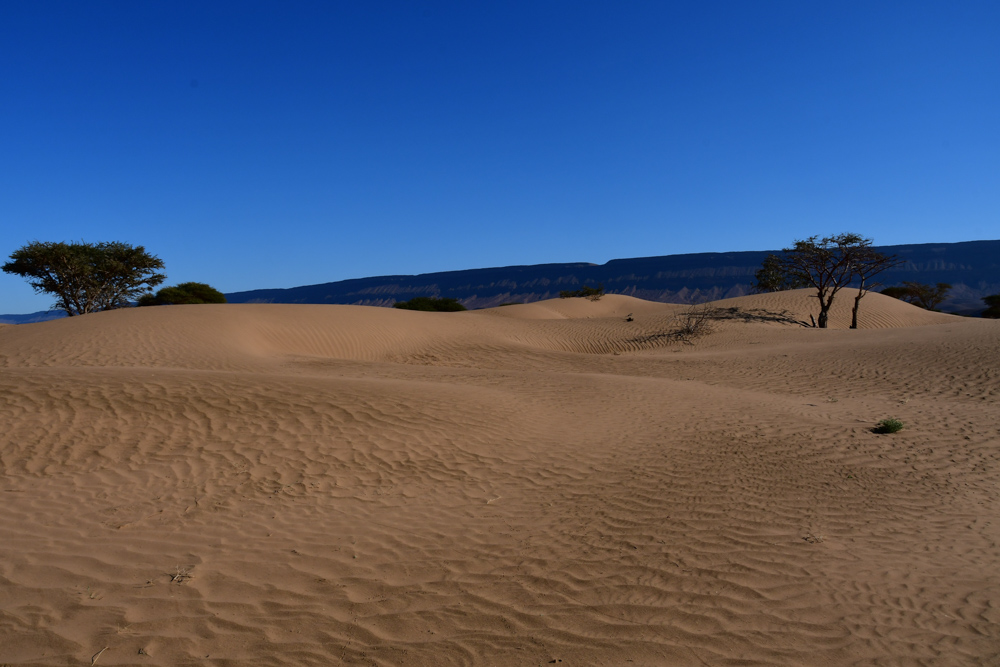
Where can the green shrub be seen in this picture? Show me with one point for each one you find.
(592, 293)
(185, 293)
(430, 304)
(888, 426)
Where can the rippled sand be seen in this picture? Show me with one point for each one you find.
(316, 485)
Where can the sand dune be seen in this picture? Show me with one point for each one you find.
(877, 311)
(275, 484)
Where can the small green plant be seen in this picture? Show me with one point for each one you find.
(888, 426)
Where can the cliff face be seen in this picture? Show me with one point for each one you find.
(972, 267)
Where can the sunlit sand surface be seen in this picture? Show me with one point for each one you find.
(317, 485)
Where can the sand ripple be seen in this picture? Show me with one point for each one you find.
(318, 485)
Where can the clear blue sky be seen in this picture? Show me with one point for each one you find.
(274, 144)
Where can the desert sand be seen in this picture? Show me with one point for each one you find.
(527, 485)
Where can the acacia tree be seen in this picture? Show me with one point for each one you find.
(868, 263)
(771, 277)
(897, 292)
(826, 264)
(920, 294)
(929, 297)
(87, 277)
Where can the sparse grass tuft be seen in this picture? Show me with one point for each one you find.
(180, 575)
(888, 426)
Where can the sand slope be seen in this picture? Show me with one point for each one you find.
(276, 484)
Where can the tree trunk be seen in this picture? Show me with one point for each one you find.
(857, 304)
(824, 308)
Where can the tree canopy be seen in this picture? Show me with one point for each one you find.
(87, 277)
(185, 293)
(771, 277)
(919, 294)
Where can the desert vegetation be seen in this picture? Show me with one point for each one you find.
(185, 293)
(426, 303)
(87, 277)
(699, 320)
(586, 292)
(827, 265)
(928, 297)
(890, 425)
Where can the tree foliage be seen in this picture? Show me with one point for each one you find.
(992, 306)
(919, 294)
(592, 293)
(897, 292)
(827, 265)
(771, 277)
(430, 304)
(87, 277)
(185, 293)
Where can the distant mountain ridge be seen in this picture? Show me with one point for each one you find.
(972, 267)
(29, 318)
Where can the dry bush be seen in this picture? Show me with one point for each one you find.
(691, 324)
(756, 315)
(698, 321)
(695, 323)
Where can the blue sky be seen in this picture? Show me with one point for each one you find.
(274, 144)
